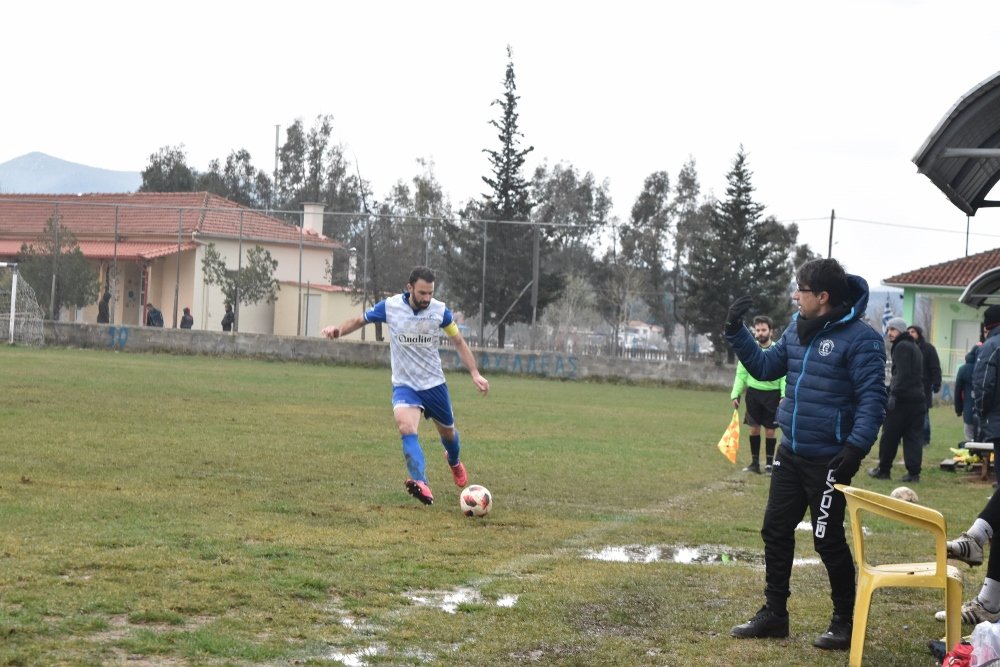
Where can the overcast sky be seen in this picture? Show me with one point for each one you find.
(831, 101)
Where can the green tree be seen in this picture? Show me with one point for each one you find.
(621, 284)
(739, 252)
(168, 171)
(573, 210)
(238, 181)
(56, 267)
(313, 169)
(691, 214)
(251, 283)
(646, 239)
(510, 239)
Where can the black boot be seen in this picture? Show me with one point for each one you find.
(838, 636)
(766, 623)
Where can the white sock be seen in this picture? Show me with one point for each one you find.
(981, 531)
(989, 596)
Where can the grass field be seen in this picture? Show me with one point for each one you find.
(167, 510)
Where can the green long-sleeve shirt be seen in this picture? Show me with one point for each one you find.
(744, 380)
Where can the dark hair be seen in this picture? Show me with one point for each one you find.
(421, 273)
(763, 319)
(824, 275)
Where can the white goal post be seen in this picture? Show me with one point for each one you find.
(20, 316)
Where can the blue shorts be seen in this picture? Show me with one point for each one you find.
(434, 402)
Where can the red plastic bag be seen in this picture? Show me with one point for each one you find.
(960, 656)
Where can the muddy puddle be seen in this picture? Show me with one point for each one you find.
(700, 555)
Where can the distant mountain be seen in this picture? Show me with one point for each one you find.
(38, 173)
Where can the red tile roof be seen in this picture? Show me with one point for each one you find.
(956, 273)
(146, 217)
(126, 250)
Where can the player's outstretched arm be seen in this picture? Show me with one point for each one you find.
(349, 326)
(469, 359)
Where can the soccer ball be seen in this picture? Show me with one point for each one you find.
(475, 500)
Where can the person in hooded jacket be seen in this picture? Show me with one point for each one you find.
(964, 404)
(834, 405)
(904, 417)
(932, 376)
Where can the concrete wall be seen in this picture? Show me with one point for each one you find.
(369, 353)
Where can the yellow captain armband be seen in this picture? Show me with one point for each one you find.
(451, 330)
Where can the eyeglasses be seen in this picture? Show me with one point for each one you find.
(799, 288)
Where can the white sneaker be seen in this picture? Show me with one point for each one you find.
(974, 613)
(966, 549)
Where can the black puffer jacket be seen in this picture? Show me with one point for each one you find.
(907, 384)
(985, 389)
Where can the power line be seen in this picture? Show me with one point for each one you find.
(893, 224)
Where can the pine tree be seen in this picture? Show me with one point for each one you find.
(510, 240)
(738, 252)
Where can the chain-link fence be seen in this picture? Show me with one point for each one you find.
(515, 284)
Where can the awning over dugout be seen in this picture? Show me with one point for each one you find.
(983, 287)
(962, 154)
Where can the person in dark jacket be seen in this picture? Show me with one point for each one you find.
(154, 318)
(932, 376)
(964, 405)
(104, 309)
(187, 321)
(228, 318)
(833, 408)
(968, 547)
(904, 418)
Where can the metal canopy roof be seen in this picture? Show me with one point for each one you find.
(983, 287)
(962, 155)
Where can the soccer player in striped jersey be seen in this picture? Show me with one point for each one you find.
(415, 319)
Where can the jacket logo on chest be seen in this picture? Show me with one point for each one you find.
(825, 347)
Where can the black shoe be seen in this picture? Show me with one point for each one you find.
(838, 636)
(765, 623)
(909, 478)
(877, 473)
(768, 469)
(753, 467)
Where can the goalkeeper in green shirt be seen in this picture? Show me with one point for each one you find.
(762, 401)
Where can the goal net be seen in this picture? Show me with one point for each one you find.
(20, 316)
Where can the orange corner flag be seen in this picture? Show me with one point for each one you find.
(730, 442)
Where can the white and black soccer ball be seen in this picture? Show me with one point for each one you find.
(475, 500)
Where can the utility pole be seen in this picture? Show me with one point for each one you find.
(55, 265)
(274, 190)
(829, 247)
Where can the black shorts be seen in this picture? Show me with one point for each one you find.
(762, 408)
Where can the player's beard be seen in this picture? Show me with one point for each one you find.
(763, 340)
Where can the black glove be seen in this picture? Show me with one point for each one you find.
(736, 403)
(936, 388)
(845, 464)
(734, 318)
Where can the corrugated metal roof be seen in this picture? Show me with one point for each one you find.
(949, 155)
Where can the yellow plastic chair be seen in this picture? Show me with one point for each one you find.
(933, 574)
